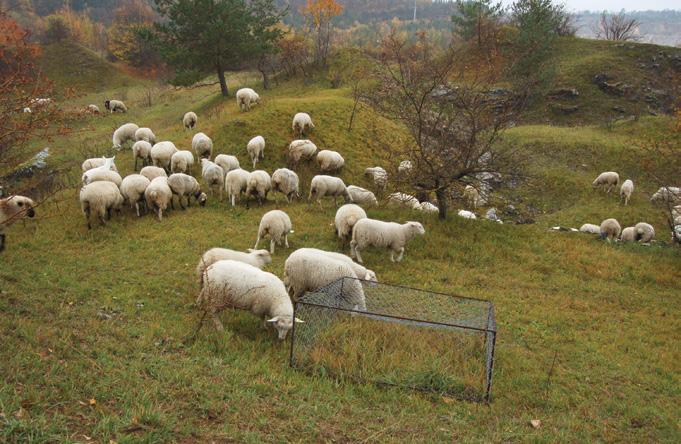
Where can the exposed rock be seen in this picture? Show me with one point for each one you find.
(619, 109)
(564, 109)
(605, 83)
(564, 93)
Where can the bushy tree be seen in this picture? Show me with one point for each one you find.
(319, 15)
(617, 27)
(126, 35)
(477, 20)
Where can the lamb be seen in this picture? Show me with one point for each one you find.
(152, 172)
(92, 108)
(607, 180)
(628, 234)
(145, 134)
(100, 198)
(376, 233)
(245, 97)
(330, 161)
(361, 196)
(227, 162)
(142, 150)
(360, 270)
(97, 162)
(256, 149)
(321, 186)
(346, 218)
(610, 229)
(667, 196)
(115, 106)
(256, 258)
(644, 232)
(132, 189)
(428, 207)
(189, 120)
(466, 214)
(302, 124)
(472, 197)
(405, 167)
(236, 182)
(259, 184)
(378, 175)
(13, 208)
(202, 146)
(301, 149)
(285, 182)
(182, 162)
(162, 153)
(183, 185)
(306, 270)
(158, 196)
(233, 284)
(626, 190)
(404, 200)
(590, 228)
(124, 134)
(213, 175)
(275, 224)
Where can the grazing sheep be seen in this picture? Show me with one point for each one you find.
(590, 228)
(607, 180)
(13, 208)
(346, 218)
(330, 161)
(376, 233)
(644, 232)
(360, 270)
(158, 196)
(275, 224)
(236, 182)
(27, 110)
(610, 229)
(92, 108)
(378, 175)
(361, 196)
(259, 184)
(626, 190)
(302, 124)
(189, 120)
(256, 149)
(428, 207)
(227, 163)
(492, 215)
(142, 150)
(321, 186)
(667, 196)
(466, 214)
(256, 258)
(124, 134)
(101, 175)
(100, 198)
(115, 106)
(97, 162)
(628, 235)
(162, 153)
(213, 175)
(308, 270)
(152, 172)
(405, 167)
(404, 200)
(183, 185)
(202, 146)
(182, 162)
(234, 284)
(301, 149)
(132, 189)
(472, 197)
(285, 182)
(245, 97)
(145, 134)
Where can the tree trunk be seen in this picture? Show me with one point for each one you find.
(223, 82)
(441, 196)
(354, 110)
(262, 67)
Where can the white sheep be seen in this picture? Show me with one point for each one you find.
(404, 200)
(142, 150)
(101, 175)
(27, 110)
(132, 189)
(124, 134)
(628, 234)
(378, 175)
(92, 108)
(152, 172)
(233, 284)
(190, 120)
(405, 167)
(213, 175)
(590, 228)
(13, 208)
(360, 270)
(183, 185)
(245, 97)
(100, 198)
(667, 196)
(286, 182)
(610, 229)
(644, 232)
(608, 180)
(321, 186)
(236, 182)
(472, 197)
(202, 146)
(466, 214)
(277, 225)
(302, 124)
(626, 190)
(301, 149)
(158, 196)
(97, 162)
(115, 106)
(162, 153)
(346, 218)
(256, 149)
(362, 196)
(376, 233)
(330, 161)
(492, 215)
(182, 162)
(227, 163)
(256, 258)
(145, 134)
(259, 184)
(428, 207)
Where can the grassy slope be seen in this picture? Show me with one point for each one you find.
(606, 314)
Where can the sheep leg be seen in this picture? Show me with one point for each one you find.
(257, 241)
(137, 208)
(271, 246)
(217, 322)
(286, 240)
(233, 199)
(392, 256)
(358, 256)
(399, 257)
(179, 200)
(159, 212)
(319, 201)
(135, 163)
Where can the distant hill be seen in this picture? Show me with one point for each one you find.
(660, 27)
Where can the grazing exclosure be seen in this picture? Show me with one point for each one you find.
(406, 337)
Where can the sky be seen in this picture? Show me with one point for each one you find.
(616, 5)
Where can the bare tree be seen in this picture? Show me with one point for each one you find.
(617, 27)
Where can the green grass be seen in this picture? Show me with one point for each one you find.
(588, 332)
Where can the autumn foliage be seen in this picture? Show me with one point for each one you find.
(319, 15)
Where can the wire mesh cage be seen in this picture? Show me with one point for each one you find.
(406, 337)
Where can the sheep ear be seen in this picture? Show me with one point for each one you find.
(273, 320)
(300, 321)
